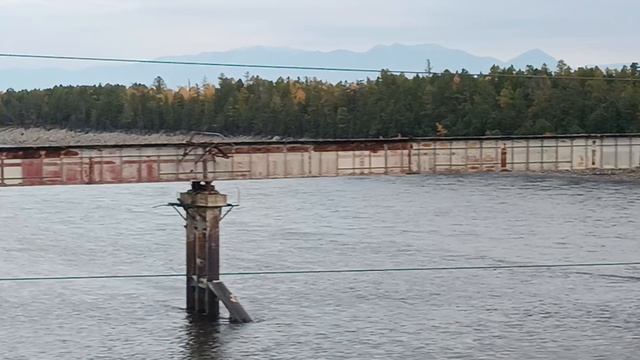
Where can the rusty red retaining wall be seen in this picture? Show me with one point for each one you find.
(134, 163)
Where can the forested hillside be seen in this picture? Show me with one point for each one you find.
(586, 100)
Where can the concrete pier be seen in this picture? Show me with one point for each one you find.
(202, 205)
(204, 290)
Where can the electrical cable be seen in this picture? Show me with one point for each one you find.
(311, 68)
(332, 271)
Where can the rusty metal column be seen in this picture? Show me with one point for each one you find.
(503, 158)
(191, 263)
(203, 206)
(213, 255)
(2, 183)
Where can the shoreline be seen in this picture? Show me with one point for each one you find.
(628, 175)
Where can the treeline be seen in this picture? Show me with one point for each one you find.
(502, 102)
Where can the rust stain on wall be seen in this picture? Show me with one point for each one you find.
(70, 153)
(32, 171)
(23, 154)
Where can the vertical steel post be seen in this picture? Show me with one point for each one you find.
(191, 263)
(2, 169)
(503, 157)
(213, 257)
(527, 155)
(466, 155)
(481, 155)
(571, 154)
(450, 155)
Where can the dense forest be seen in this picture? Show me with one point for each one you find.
(505, 101)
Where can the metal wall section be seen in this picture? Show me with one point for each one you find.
(107, 164)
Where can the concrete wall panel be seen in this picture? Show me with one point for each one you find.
(377, 162)
(395, 161)
(565, 156)
(474, 155)
(297, 164)
(258, 166)
(276, 165)
(328, 164)
(346, 162)
(518, 157)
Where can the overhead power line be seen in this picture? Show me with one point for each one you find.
(296, 67)
(333, 271)
(199, 63)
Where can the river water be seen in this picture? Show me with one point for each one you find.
(329, 223)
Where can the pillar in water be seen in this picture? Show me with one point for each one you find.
(202, 204)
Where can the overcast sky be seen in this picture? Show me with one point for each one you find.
(581, 32)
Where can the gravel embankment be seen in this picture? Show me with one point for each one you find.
(11, 136)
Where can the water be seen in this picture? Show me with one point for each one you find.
(330, 223)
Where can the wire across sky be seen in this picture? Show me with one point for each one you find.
(296, 67)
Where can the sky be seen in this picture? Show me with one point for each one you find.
(580, 32)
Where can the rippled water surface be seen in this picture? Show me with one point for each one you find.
(328, 223)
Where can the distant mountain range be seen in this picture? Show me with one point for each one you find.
(395, 57)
